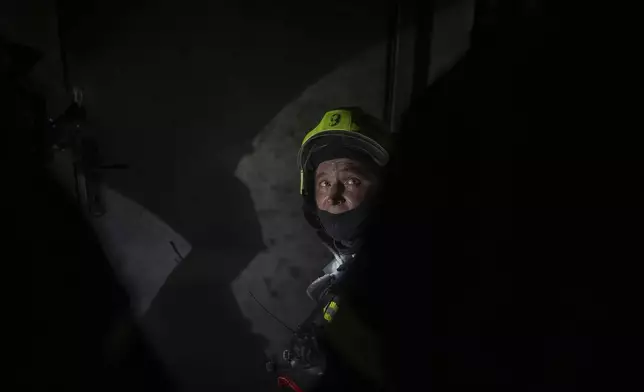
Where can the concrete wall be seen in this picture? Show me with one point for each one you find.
(270, 173)
(294, 257)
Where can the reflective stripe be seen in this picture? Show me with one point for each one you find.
(330, 311)
(357, 343)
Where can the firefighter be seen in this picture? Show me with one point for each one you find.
(341, 162)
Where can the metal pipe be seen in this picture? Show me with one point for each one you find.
(391, 78)
(422, 47)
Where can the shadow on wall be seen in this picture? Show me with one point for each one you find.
(180, 91)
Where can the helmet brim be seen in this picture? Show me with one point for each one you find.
(351, 139)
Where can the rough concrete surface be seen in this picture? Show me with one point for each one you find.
(275, 276)
(279, 275)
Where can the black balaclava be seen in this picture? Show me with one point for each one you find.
(349, 227)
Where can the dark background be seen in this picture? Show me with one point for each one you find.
(515, 214)
(520, 220)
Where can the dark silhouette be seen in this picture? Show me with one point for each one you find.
(504, 267)
(72, 327)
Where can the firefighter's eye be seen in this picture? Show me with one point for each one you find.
(353, 181)
(324, 184)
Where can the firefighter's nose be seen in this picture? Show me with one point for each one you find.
(338, 200)
(337, 194)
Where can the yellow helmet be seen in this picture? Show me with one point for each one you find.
(360, 132)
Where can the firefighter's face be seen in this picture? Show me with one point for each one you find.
(342, 184)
